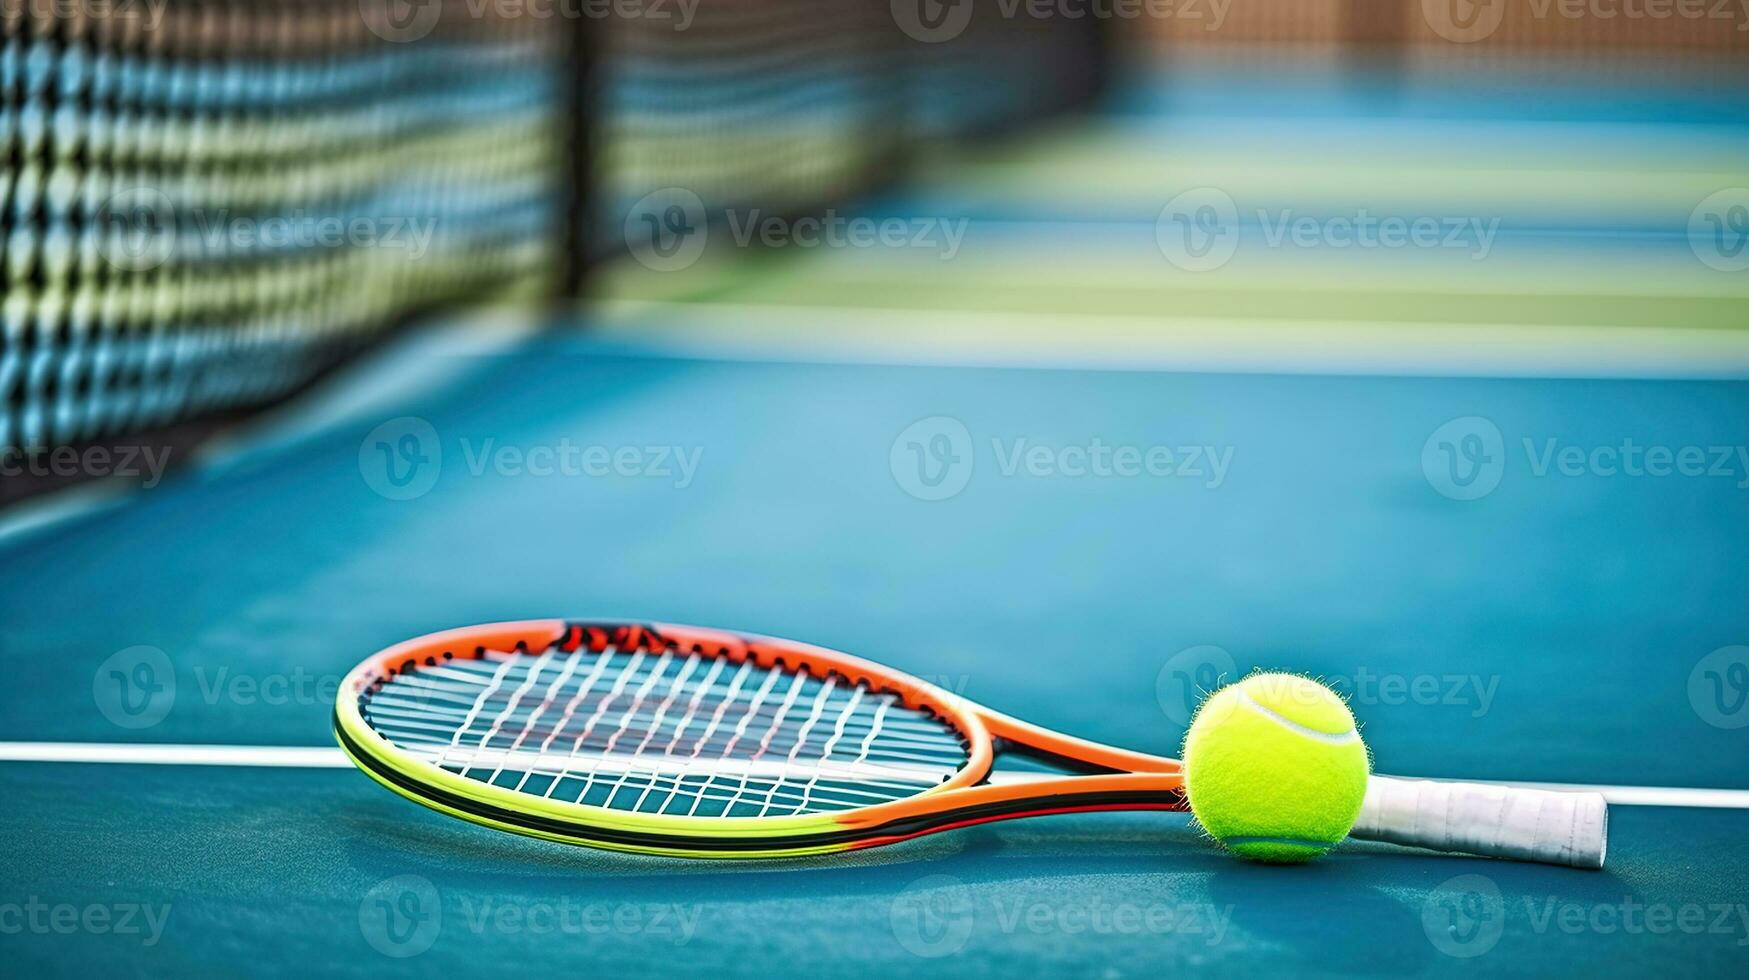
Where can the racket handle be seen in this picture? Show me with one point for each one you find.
(1483, 819)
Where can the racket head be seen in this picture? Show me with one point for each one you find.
(377, 722)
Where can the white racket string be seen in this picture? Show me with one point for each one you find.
(664, 732)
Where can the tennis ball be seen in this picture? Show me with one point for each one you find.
(1274, 768)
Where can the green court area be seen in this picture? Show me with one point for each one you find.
(1578, 224)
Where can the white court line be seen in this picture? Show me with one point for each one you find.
(1737, 799)
(323, 757)
(277, 756)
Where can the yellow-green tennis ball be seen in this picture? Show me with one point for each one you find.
(1274, 768)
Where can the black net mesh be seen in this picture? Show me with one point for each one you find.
(205, 203)
(205, 206)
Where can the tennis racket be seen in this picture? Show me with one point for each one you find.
(683, 741)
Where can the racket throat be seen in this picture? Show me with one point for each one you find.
(1056, 765)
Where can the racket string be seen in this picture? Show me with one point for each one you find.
(664, 731)
(415, 699)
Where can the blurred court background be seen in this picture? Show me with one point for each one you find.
(1074, 355)
(210, 204)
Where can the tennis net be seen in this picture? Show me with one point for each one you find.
(206, 203)
(788, 106)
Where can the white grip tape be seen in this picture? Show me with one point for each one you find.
(1493, 821)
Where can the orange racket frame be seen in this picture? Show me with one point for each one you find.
(1104, 778)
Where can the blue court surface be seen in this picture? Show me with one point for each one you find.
(1504, 507)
